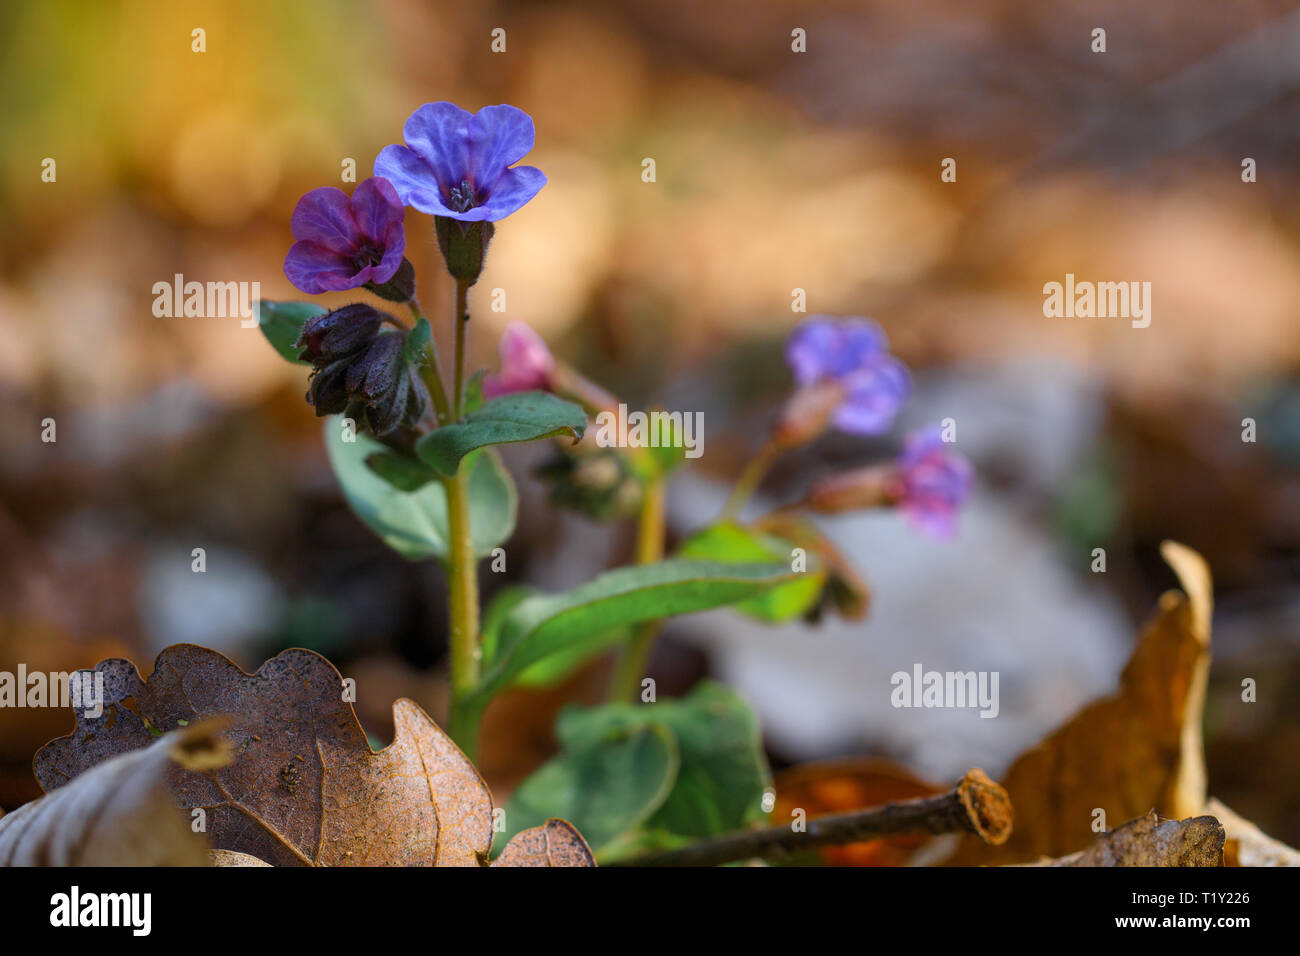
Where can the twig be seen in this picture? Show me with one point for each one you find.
(976, 805)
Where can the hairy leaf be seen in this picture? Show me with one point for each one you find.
(414, 523)
(544, 624)
(523, 416)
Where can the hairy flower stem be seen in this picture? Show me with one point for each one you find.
(631, 667)
(462, 585)
(749, 480)
(462, 333)
(462, 567)
(430, 371)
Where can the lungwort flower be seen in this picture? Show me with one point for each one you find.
(345, 242)
(526, 363)
(930, 482)
(362, 371)
(458, 164)
(846, 374)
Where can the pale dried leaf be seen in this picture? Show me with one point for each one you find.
(120, 813)
(1247, 844)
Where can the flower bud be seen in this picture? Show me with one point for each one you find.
(363, 372)
(856, 490)
(807, 414)
(338, 334)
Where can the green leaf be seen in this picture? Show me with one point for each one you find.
(544, 624)
(604, 779)
(524, 416)
(414, 523)
(605, 787)
(282, 322)
(729, 543)
(723, 770)
(404, 474)
(416, 339)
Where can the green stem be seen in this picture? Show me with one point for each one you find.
(462, 586)
(631, 667)
(749, 480)
(462, 567)
(462, 333)
(430, 371)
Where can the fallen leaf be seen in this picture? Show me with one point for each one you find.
(1246, 844)
(1126, 754)
(1151, 841)
(555, 843)
(231, 858)
(120, 813)
(305, 788)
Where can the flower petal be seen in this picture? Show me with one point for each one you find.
(439, 134)
(394, 249)
(810, 350)
(861, 340)
(324, 216)
(515, 187)
(376, 207)
(875, 396)
(314, 269)
(413, 178)
(498, 137)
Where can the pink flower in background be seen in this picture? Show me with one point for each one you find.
(931, 482)
(526, 363)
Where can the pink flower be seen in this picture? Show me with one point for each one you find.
(526, 363)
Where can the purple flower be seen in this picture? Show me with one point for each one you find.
(931, 482)
(346, 242)
(852, 353)
(458, 164)
(526, 363)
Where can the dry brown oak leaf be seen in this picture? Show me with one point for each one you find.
(120, 813)
(1126, 754)
(1151, 841)
(305, 789)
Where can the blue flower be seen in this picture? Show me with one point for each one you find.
(457, 164)
(852, 354)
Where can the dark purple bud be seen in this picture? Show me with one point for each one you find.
(337, 334)
(375, 372)
(328, 392)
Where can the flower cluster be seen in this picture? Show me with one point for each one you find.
(362, 371)
(456, 166)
